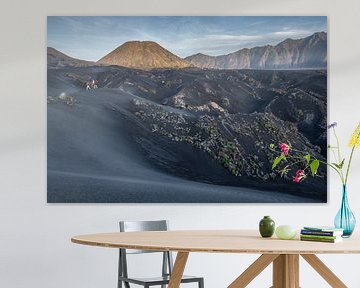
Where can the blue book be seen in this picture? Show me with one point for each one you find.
(322, 231)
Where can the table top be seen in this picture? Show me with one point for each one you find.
(217, 241)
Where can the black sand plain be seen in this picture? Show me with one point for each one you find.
(181, 135)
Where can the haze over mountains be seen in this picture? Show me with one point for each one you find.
(309, 52)
(305, 53)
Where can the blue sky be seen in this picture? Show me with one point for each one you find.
(92, 37)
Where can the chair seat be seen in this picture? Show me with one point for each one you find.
(158, 280)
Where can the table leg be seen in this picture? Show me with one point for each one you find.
(286, 271)
(178, 269)
(324, 271)
(253, 270)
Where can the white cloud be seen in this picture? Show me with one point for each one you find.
(290, 33)
(225, 37)
(213, 44)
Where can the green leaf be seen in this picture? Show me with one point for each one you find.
(339, 166)
(277, 161)
(314, 165)
(342, 163)
(271, 146)
(336, 165)
(284, 171)
(307, 157)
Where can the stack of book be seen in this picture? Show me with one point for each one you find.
(321, 234)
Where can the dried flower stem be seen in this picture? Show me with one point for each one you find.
(351, 156)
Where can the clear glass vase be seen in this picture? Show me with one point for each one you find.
(345, 219)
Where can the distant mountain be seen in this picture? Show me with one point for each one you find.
(143, 54)
(309, 52)
(57, 59)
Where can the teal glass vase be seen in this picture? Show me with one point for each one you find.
(345, 219)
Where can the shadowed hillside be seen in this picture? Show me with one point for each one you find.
(57, 59)
(181, 135)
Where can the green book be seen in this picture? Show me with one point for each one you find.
(319, 236)
(325, 240)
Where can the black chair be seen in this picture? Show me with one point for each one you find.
(167, 265)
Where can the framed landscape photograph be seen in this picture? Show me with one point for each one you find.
(184, 109)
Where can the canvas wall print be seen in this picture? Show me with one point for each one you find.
(184, 109)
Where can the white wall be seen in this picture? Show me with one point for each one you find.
(35, 248)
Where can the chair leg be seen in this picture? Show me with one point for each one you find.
(120, 272)
(201, 283)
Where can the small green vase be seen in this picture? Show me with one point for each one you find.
(267, 227)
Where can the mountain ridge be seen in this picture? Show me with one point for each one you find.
(57, 59)
(304, 53)
(308, 52)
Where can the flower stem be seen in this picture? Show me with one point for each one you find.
(333, 152)
(348, 166)
(350, 159)
(340, 159)
(337, 144)
(336, 169)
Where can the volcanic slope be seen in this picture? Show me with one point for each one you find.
(144, 55)
(181, 135)
(57, 59)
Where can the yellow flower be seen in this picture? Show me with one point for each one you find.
(355, 138)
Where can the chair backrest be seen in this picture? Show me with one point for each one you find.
(133, 226)
(137, 226)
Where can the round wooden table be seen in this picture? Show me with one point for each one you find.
(284, 254)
